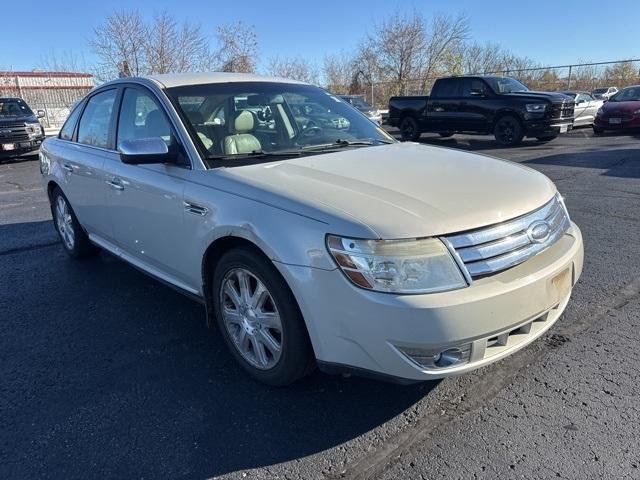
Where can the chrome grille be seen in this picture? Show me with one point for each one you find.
(562, 110)
(498, 247)
(13, 132)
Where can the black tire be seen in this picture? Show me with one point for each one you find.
(508, 131)
(598, 131)
(409, 130)
(296, 357)
(548, 138)
(445, 134)
(80, 245)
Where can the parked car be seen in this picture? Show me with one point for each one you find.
(340, 248)
(585, 108)
(361, 104)
(483, 104)
(622, 111)
(604, 93)
(311, 114)
(20, 130)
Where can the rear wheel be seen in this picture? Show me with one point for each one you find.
(508, 131)
(259, 318)
(74, 239)
(409, 129)
(547, 138)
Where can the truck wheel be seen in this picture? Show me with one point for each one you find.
(508, 131)
(409, 129)
(547, 138)
(259, 318)
(445, 134)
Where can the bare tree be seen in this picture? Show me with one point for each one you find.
(296, 68)
(169, 48)
(120, 42)
(338, 71)
(65, 61)
(238, 48)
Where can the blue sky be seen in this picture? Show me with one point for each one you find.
(550, 32)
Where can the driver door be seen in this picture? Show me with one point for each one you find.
(146, 201)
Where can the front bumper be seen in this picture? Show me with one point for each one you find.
(19, 147)
(543, 128)
(625, 122)
(496, 315)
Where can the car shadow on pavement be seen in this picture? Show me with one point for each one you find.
(108, 372)
(617, 163)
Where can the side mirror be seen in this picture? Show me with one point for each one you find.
(40, 114)
(474, 92)
(145, 151)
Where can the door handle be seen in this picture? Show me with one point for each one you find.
(67, 167)
(115, 184)
(195, 209)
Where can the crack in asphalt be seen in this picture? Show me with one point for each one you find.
(500, 376)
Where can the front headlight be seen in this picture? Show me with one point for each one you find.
(637, 112)
(34, 128)
(536, 107)
(600, 112)
(397, 266)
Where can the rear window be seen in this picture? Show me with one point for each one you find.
(447, 88)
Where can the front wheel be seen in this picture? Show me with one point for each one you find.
(259, 318)
(597, 130)
(508, 131)
(547, 138)
(74, 239)
(409, 129)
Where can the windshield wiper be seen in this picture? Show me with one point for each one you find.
(340, 143)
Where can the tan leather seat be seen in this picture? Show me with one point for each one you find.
(242, 141)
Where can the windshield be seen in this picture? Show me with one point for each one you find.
(506, 85)
(631, 94)
(14, 107)
(238, 119)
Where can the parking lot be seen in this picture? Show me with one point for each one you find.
(105, 372)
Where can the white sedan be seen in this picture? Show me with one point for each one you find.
(319, 246)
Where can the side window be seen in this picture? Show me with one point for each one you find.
(66, 132)
(96, 119)
(449, 88)
(472, 84)
(141, 117)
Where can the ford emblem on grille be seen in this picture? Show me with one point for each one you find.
(538, 231)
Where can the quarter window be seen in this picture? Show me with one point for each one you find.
(66, 132)
(96, 119)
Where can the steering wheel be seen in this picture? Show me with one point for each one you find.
(310, 132)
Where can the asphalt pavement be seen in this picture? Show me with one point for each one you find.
(105, 373)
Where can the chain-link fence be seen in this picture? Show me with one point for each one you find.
(584, 76)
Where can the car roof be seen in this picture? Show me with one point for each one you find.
(169, 80)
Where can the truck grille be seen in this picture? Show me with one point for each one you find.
(562, 110)
(13, 132)
(498, 247)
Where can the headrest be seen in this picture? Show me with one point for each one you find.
(156, 124)
(244, 122)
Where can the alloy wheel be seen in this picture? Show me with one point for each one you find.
(251, 318)
(64, 222)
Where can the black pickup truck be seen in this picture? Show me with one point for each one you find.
(501, 106)
(20, 130)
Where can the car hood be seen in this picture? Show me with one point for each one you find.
(532, 95)
(620, 107)
(401, 190)
(17, 118)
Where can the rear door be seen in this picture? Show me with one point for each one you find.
(81, 153)
(443, 107)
